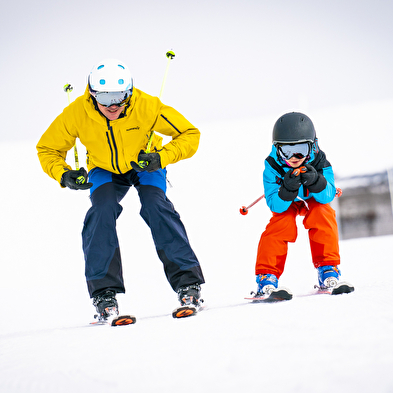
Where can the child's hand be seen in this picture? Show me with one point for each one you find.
(292, 181)
(290, 186)
(314, 181)
(310, 176)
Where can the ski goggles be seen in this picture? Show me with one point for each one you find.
(109, 98)
(299, 150)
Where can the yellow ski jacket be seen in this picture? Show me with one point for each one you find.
(113, 144)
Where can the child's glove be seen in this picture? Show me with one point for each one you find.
(314, 181)
(290, 187)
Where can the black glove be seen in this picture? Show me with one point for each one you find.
(310, 176)
(290, 187)
(76, 180)
(314, 181)
(147, 162)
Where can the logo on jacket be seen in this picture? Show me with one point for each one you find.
(132, 128)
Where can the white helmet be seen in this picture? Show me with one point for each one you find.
(110, 75)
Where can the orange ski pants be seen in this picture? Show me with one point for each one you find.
(319, 219)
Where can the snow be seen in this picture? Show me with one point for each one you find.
(309, 344)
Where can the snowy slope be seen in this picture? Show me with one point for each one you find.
(310, 344)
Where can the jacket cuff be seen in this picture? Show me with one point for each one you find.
(59, 175)
(164, 158)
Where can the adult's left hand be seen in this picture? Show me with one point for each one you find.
(149, 162)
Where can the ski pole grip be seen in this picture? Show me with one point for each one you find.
(80, 180)
(298, 171)
(143, 164)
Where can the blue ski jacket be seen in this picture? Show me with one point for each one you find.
(275, 170)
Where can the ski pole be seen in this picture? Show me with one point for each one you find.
(68, 89)
(81, 179)
(244, 210)
(170, 55)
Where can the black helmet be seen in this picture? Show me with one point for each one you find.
(293, 127)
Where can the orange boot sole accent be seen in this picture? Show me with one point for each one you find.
(123, 320)
(183, 312)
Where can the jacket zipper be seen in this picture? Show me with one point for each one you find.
(114, 152)
(170, 123)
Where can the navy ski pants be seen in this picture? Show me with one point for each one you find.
(99, 236)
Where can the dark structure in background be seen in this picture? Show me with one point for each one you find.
(365, 208)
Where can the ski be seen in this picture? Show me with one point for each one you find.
(277, 295)
(120, 320)
(339, 289)
(188, 310)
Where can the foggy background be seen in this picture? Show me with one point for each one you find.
(242, 64)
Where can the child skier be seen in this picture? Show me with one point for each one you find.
(298, 180)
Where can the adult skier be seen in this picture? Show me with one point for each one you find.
(298, 180)
(113, 120)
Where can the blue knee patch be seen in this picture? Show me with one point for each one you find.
(156, 178)
(98, 177)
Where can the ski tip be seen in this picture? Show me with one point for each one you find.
(123, 320)
(183, 312)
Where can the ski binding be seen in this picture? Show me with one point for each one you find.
(276, 295)
(120, 320)
(339, 289)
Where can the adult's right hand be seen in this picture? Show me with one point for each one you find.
(75, 180)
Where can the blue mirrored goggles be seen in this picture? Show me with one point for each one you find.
(109, 98)
(299, 150)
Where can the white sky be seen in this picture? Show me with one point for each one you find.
(235, 60)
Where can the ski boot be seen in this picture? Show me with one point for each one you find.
(108, 310)
(268, 290)
(106, 306)
(266, 283)
(328, 276)
(328, 280)
(190, 301)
